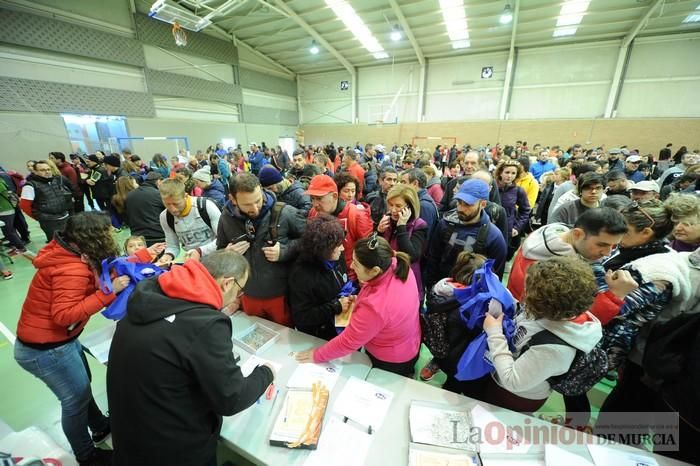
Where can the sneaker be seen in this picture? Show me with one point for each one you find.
(429, 370)
(16, 252)
(98, 457)
(7, 275)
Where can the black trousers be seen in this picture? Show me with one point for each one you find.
(407, 369)
(21, 225)
(49, 227)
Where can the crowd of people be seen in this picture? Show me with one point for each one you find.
(602, 246)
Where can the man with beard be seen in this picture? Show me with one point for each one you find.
(471, 164)
(466, 228)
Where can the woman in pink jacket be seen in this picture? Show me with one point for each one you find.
(385, 317)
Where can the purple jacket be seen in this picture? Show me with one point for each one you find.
(514, 201)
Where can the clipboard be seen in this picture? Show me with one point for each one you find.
(299, 422)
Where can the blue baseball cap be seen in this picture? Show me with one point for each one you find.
(473, 191)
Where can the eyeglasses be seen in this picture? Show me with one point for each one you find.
(373, 241)
(240, 288)
(635, 205)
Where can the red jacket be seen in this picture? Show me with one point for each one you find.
(62, 296)
(358, 172)
(605, 305)
(357, 224)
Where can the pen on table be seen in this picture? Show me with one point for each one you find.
(275, 399)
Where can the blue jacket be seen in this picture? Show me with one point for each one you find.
(428, 211)
(452, 237)
(539, 167)
(256, 160)
(224, 169)
(635, 176)
(216, 193)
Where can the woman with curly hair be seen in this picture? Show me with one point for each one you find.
(317, 278)
(558, 293)
(62, 297)
(348, 187)
(514, 200)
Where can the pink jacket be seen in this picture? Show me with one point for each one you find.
(385, 321)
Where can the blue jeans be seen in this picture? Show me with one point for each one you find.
(65, 371)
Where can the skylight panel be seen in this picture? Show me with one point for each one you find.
(456, 22)
(693, 17)
(346, 13)
(570, 16)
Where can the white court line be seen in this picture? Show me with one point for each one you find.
(8, 334)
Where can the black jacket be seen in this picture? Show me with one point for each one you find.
(267, 279)
(143, 208)
(171, 374)
(104, 187)
(313, 296)
(295, 197)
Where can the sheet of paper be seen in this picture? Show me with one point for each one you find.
(255, 361)
(419, 455)
(605, 456)
(306, 374)
(340, 445)
(511, 443)
(557, 456)
(293, 417)
(363, 403)
(511, 460)
(440, 425)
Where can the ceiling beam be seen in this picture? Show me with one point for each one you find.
(407, 30)
(313, 33)
(276, 64)
(510, 65)
(641, 23)
(623, 58)
(273, 7)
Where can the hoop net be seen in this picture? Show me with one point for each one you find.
(180, 35)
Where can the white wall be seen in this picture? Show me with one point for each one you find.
(663, 78)
(555, 82)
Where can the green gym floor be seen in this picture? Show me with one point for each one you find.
(25, 401)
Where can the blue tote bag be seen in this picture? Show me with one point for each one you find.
(474, 302)
(136, 271)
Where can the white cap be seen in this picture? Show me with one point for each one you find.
(646, 185)
(633, 159)
(379, 147)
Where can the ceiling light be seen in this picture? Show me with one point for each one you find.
(456, 22)
(570, 16)
(507, 15)
(693, 17)
(314, 48)
(395, 33)
(346, 13)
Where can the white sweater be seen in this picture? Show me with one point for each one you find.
(526, 375)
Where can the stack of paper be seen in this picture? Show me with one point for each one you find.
(305, 375)
(423, 455)
(340, 445)
(440, 425)
(604, 456)
(364, 403)
(255, 361)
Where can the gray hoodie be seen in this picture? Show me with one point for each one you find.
(546, 243)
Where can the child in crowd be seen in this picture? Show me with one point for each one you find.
(135, 246)
(558, 293)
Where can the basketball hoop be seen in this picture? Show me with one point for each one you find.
(180, 35)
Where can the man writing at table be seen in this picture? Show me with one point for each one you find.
(171, 374)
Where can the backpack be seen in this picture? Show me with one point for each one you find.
(669, 346)
(201, 207)
(275, 215)
(586, 370)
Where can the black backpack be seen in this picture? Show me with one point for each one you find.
(669, 347)
(201, 207)
(586, 370)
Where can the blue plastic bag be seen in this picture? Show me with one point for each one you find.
(136, 271)
(474, 301)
